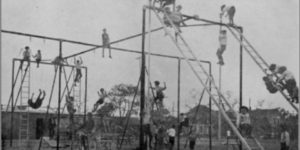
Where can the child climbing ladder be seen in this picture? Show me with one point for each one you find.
(286, 78)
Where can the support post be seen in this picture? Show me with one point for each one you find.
(220, 103)
(59, 98)
(210, 117)
(241, 73)
(85, 93)
(178, 104)
(12, 103)
(142, 83)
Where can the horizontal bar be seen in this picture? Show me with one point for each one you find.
(196, 18)
(156, 54)
(47, 63)
(197, 25)
(99, 46)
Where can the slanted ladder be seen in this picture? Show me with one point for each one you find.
(24, 96)
(200, 72)
(257, 58)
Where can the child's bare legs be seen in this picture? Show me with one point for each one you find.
(220, 52)
(108, 46)
(103, 48)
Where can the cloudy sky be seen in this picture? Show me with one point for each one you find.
(272, 26)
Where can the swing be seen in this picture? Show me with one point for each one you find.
(38, 103)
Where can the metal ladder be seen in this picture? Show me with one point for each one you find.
(200, 72)
(24, 96)
(257, 58)
(77, 94)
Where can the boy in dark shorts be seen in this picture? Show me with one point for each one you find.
(38, 58)
(159, 93)
(78, 64)
(105, 42)
(38, 102)
(171, 133)
(102, 95)
(26, 56)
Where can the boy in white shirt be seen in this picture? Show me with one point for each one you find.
(284, 138)
(244, 122)
(171, 133)
(221, 49)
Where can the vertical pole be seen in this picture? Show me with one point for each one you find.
(59, 98)
(142, 83)
(85, 93)
(178, 104)
(12, 103)
(210, 119)
(220, 103)
(241, 73)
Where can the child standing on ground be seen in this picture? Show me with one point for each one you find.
(105, 42)
(244, 122)
(171, 133)
(159, 92)
(284, 138)
(78, 64)
(221, 49)
(38, 58)
(192, 138)
(228, 11)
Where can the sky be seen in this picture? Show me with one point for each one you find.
(272, 27)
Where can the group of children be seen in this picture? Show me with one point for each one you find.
(285, 80)
(26, 55)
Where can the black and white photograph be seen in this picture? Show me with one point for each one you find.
(149, 75)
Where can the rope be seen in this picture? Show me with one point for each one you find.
(48, 106)
(128, 116)
(13, 87)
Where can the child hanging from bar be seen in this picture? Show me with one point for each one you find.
(38, 102)
(38, 58)
(105, 42)
(228, 11)
(102, 95)
(222, 48)
(244, 122)
(78, 64)
(159, 97)
(26, 56)
(287, 79)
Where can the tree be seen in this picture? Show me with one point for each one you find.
(120, 97)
